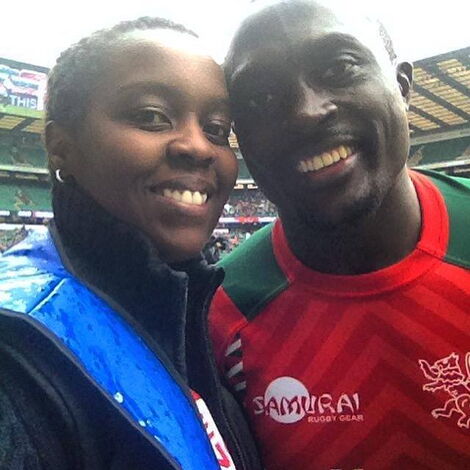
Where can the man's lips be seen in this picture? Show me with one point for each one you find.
(325, 159)
(318, 143)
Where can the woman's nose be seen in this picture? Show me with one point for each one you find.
(191, 145)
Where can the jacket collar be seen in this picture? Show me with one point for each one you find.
(120, 261)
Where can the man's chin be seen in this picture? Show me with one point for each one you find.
(341, 217)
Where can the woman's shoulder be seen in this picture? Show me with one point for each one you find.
(52, 417)
(43, 416)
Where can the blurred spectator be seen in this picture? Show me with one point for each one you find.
(214, 247)
(235, 237)
(249, 203)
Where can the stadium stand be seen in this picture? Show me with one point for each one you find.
(24, 196)
(22, 149)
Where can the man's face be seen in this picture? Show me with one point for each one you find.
(320, 118)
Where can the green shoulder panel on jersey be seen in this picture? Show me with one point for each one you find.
(456, 193)
(252, 275)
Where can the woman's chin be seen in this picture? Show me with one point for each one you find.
(181, 248)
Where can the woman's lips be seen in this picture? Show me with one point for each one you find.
(196, 198)
(186, 190)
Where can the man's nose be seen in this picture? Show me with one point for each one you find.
(311, 107)
(191, 145)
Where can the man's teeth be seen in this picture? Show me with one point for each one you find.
(187, 197)
(325, 159)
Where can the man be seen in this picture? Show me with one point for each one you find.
(344, 327)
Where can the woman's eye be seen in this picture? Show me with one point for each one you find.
(217, 132)
(151, 119)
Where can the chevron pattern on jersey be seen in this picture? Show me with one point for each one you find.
(336, 350)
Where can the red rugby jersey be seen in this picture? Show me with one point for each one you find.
(369, 371)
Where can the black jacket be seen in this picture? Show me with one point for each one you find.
(51, 416)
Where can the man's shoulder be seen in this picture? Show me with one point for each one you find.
(451, 185)
(456, 194)
(252, 274)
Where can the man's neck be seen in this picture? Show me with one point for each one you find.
(375, 242)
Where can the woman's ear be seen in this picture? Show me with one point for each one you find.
(405, 80)
(59, 145)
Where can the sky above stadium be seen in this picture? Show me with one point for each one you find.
(36, 31)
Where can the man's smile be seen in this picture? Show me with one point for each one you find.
(325, 159)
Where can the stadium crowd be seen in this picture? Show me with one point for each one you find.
(248, 203)
(242, 203)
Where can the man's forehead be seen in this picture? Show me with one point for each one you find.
(285, 24)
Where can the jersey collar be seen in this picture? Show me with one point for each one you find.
(429, 250)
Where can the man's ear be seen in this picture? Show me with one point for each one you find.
(60, 147)
(405, 80)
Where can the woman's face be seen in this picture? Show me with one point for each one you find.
(153, 148)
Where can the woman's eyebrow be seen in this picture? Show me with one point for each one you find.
(170, 92)
(150, 87)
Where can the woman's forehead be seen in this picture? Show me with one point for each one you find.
(143, 65)
(157, 53)
(169, 39)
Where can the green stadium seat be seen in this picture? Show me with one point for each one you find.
(24, 196)
(437, 152)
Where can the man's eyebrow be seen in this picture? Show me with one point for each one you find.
(316, 47)
(332, 41)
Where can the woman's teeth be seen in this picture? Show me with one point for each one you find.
(325, 159)
(187, 197)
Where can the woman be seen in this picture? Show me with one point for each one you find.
(106, 362)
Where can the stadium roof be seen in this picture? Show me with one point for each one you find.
(441, 93)
(440, 102)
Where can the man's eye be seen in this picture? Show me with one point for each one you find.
(340, 70)
(151, 119)
(218, 133)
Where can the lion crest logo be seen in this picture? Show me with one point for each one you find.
(446, 375)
